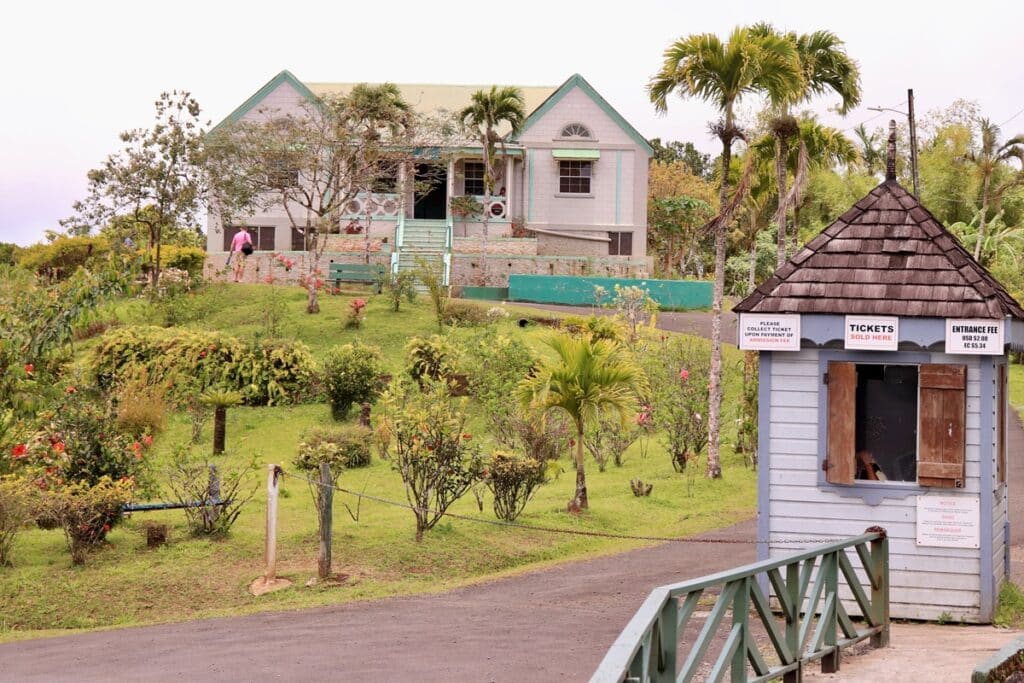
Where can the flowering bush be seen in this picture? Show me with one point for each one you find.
(430, 358)
(87, 511)
(678, 371)
(512, 478)
(356, 313)
(351, 375)
(18, 506)
(340, 447)
(433, 451)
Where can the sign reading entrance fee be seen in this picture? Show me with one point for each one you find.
(979, 337)
(769, 332)
(949, 521)
(870, 333)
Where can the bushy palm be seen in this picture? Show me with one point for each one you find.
(489, 109)
(870, 149)
(705, 67)
(586, 379)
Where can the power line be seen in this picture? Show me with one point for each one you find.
(1019, 112)
(868, 120)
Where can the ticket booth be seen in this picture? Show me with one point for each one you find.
(883, 354)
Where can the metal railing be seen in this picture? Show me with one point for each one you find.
(812, 623)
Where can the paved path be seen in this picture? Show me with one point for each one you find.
(550, 625)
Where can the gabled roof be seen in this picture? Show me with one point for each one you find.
(258, 96)
(577, 81)
(887, 255)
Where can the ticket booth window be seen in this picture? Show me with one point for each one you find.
(896, 423)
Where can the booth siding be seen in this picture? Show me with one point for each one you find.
(887, 258)
(671, 295)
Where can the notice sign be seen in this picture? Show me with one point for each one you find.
(979, 337)
(948, 521)
(769, 332)
(871, 333)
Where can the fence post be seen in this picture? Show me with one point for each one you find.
(272, 488)
(669, 624)
(326, 515)
(880, 585)
(830, 616)
(213, 508)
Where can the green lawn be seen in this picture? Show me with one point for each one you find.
(127, 584)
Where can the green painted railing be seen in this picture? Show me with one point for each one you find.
(809, 626)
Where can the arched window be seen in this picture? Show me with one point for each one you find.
(576, 130)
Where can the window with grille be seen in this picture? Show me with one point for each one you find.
(574, 176)
(620, 244)
(576, 130)
(474, 178)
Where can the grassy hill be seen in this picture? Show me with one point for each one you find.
(125, 583)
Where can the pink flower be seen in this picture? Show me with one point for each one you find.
(58, 447)
(147, 440)
(684, 374)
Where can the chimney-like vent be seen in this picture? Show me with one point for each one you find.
(890, 159)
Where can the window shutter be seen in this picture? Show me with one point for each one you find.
(842, 403)
(229, 234)
(942, 408)
(266, 238)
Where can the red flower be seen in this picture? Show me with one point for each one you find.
(147, 440)
(19, 451)
(70, 390)
(106, 528)
(202, 354)
(572, 442)
(29, 368)
(137, 447)
(684, 374)
(467, 437)
(58, 447)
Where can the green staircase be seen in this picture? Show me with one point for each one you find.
(423, 239)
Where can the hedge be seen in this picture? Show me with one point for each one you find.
(268, 372)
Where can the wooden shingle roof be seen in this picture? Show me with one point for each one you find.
(887, 255)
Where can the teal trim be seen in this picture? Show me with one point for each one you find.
(671, 295)
(618, 187)
(529, 184)
(576, 153)
(257, 97)
(577, 81)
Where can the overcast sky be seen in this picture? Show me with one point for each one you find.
(77, 73)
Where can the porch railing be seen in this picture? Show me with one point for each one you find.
(812, 623)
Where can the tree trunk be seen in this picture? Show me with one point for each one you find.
(579, 501)
(981, 223)
(326, 518)
(718, 292)
(488, 183)
(312, 300)
(752, 277)
(780, 184)
(220, 419)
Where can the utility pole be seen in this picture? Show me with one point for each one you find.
(913, 137)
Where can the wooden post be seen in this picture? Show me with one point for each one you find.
(213, 508)
(272, 488)
(880, 586)
(326, 515)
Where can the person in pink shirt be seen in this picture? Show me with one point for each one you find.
(241, 247)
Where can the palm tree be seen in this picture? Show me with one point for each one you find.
(870, 149)
(987, 160)
(757, 207)
(824, 67)
(488, 110)
(704, 67)
(1001, 244)
(586, 379)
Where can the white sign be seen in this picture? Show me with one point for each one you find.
(871, 333)
(769, 332)
(949, 521)
(978, 337)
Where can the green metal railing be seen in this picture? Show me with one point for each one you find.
(811, 624)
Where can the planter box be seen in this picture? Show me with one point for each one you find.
(485, 293)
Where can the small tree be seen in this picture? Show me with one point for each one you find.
(433, 452)
(18, 506)
(157, 181)
(606, 439)
(585, 378)
(678, 372)
(351, 376)
(398, 286)
(220, 400)
(512, 479)
(433, 279)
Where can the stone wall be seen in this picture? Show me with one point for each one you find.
(466, 267)
(524, 246)
(265, 267)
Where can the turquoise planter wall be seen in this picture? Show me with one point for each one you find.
(671, 295)
(485, 293)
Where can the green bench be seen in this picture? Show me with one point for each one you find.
(368, 273)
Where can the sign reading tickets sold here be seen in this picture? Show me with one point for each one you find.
(779, 332)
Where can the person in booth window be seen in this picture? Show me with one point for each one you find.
(241, 247)
(867, 468)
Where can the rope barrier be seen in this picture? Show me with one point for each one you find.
(556, 530)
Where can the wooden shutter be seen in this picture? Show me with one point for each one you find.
(229, 234)
(840, 465)
(298, 240)
(265, 237)
(942, 409)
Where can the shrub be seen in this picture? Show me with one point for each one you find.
(433, 452)
(266, 372)
(496, 364)
(223, 492)
(608, 439)
(18, 502)
(86, 512)
(342, 448)
(398, 286)
(356, 313)
(593, 326)
(432, 277)
(189, 259)
(678, 372)
(464, 313)
(8, 253)
(430, 358)
(65, 254)
(141, 408)
(351, 375)
(512, 479)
